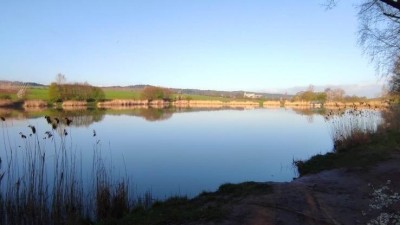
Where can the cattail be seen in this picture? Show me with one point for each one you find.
(22, 135)
(33, 129)
(68, 121)
(49, 135)
(48, 119)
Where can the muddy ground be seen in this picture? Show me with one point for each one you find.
(340, 196)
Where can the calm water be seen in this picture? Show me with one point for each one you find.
(184, 151)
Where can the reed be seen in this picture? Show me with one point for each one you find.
(41, 181)
(35, 104)
(353, 126)
(360, 137)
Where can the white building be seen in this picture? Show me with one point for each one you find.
(251, 95)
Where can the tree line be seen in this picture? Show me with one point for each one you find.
(329, 94)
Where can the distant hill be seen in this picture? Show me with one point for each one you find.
(4, 83)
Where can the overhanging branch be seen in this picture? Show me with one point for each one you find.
(393, 3)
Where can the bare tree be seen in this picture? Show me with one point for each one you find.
(336, 94)
(311, 88)
(395, 79)
(379, 31)
(392, 3)
(60, 78)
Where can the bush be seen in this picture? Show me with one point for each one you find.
(153, 93)
(77, 92)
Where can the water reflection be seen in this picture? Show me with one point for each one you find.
(191, 150)
(87, 116)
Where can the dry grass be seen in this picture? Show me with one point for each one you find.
(122, 102)
(41, 181)
(272, 103)
(297, 103)
(352, 127)
(361, 138)
(35, 104)
(6, 102)
(74, 103)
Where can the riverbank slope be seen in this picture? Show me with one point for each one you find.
(339, 196)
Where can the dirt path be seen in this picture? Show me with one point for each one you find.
(332, 197)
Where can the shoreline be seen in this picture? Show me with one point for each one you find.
(126, 103)
(337, 196)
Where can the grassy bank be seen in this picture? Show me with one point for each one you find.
(357, 147)
(208, 206)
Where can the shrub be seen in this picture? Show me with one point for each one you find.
(153, 93)
(78, 92)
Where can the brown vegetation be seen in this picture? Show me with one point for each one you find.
(122, 102)
(211, 103)
(78, 92)
(35, 104)
(6, 102)
(271, 103)
(156, 93)
(74, 105)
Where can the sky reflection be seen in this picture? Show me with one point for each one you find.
(191, 152)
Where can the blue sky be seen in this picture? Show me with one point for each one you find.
(206, 44)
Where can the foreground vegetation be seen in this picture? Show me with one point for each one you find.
(41, 180)
(107, 200)
(208, 206)
(41, 183)
(357, 144)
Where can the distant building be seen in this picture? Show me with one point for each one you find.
(251, 95)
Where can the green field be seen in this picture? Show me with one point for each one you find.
(36, 93)
(200, 97)
(121, 94)
(212, 98)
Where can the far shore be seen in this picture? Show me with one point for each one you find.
(246, 104)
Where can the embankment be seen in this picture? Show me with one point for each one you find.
(340, 196)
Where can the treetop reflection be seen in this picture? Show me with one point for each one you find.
(87, 116)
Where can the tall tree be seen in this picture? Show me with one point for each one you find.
(395, 80)
(60, 79)
(393, 3)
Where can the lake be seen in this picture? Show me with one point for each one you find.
(180, 151)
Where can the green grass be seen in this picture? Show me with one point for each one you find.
(37, 93)
(356, 143)
(208, 206)
(41, 93)
(379, 148)
(213, 98)
(33, 93)
(201, 97)
(121, 94)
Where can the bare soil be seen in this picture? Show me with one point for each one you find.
(340, 196)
